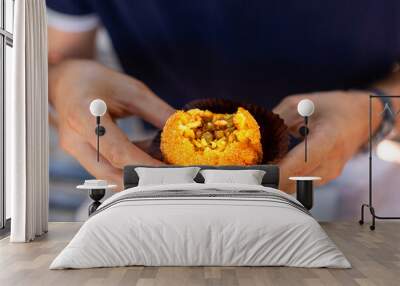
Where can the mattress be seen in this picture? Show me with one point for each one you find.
(201, 225)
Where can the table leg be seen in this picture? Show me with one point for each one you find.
(96, 195)
(305, 193)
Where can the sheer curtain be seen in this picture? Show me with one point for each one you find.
(27, 124)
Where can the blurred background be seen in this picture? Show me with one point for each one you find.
(339, 200)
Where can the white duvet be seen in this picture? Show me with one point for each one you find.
(200, 231)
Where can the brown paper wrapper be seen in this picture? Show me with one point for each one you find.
(274, 132)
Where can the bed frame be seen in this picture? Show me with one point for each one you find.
(270, 179)
(305, 193)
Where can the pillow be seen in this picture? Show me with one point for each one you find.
(248, 177)
(165, 176)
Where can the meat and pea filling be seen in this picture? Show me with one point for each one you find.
(210, 131)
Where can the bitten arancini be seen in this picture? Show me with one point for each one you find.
(200, 137)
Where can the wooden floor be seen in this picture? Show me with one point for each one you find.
(375, 257)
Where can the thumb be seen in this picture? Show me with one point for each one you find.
(138, 99)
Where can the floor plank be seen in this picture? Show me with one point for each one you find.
(375, 257)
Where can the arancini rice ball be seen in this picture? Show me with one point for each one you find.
(201, 137)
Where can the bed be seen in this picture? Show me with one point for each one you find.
(201, 224)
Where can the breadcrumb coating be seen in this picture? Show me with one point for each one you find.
(200, 137)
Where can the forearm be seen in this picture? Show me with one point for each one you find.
(69, 45)
(62, 47)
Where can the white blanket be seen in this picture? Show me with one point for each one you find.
(204, 230)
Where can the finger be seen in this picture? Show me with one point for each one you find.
(157, 114)
(82, 151)
(289, 186)
(114, 144)
(330, 167)
(294, 163)
(140, 100)
(329, 170)
(150, 146)
(287, 110)
(294, 127)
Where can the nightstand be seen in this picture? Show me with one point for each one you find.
(97, 190)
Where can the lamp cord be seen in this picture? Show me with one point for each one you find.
(98, 137)
(305, 138)
(98, 145)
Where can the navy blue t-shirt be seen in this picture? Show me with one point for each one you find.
(257, 51)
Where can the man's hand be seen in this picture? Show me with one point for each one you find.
(72, 87)
(338, 128)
